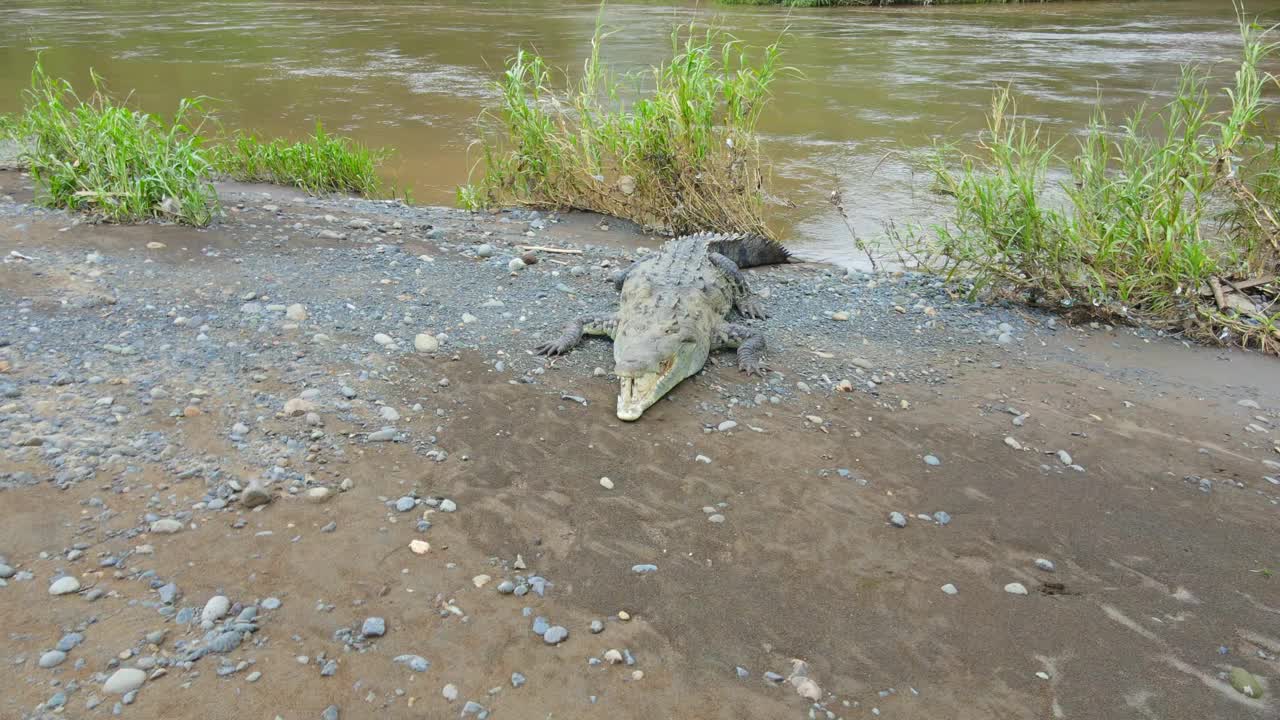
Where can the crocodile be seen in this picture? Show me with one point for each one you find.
(674, 310)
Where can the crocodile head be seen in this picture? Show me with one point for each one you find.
(649, 365)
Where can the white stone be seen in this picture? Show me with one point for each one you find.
(383, 339)
(166, 526)
(64, 586)
(217, 606)
(124, 680)
(949, 589)
(295, 313)
(1015, 589)
(606, 483)
(422, 342)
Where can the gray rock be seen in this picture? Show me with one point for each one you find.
(254, 495)
(416, 663)
(52, 659)
(506, 587)
(473, 708)
(6, 572)
(644, 568)
(597, 627)
(942, 517)
(448, 506)
(168, 593)
(741, 672)
(330, 713)
(253, 676)
(386, 434)
(555, 635)
(1015, 589)
(271, 603)
(329, 669)
(540, 625)
(517, 680)
(406, 503)
(69, 641)
(329, 527)
(1045, 565)
(373, 627)
(484, 250)
(897, 519)
(931, 460)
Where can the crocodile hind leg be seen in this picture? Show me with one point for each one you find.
(750, 345)
(746, 303)
(573, 332)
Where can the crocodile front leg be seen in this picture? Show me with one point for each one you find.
(750, 345)
(573, 332)
(746, 303)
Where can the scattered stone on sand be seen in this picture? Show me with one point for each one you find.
(606, 483)
(318, 494)
(416, 663)
(1011, 442)
(214, 609)
(1014, 588)
(555, 635)
(330, 713)
(297, 407)
(254, 495)
(419, 547)
(447, 505)
(449, 692)
(949, 589)
(295, 313)
(166, 526)
(517, 680)
(1064, 457)
(931, 460)
(597, 627)
(644, 568)
(897, 519)
(425, 343)
(1045, 565)
(51, 659)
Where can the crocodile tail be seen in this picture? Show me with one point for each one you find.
(749, 250)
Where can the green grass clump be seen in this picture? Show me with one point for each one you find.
(96, 155)
(675, 151)
(1159, 221)
(321, 163)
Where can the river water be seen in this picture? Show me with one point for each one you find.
(873, 88)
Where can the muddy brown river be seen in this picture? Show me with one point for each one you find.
(875, 88)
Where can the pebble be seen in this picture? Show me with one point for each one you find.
(386, 434)
(472, 708)
(1045, 565)
(613, 657)
(448, 505)
(330, 713)
(329, 527)
(606, 483)
(897, 519)
(480, 581)
(373, 627)
(64, 585)
(644, 568)
(318, 494)
(253, 676)
(716, 518)
(329, 669)
(506, 587)
(484, 250)
(383, 339)
(6, 572)
(517, 680)
(597, 627)
(741, 672)
(295, 313)
(949, 589)
(1065, 457)
(555, 635)
(69, 642)
(1013, 443)
(540, 625)
(515, 265)
(217, 606)
(124, 680)
(406, 503)
(416, 663)
(271, 603)
(726, 426)
(388, 414)
(931, 460)
(52, 659)
(419, 547)
(166, 526)
(450, 692)
(942, 517)
(425, 343)
(254, 495)
(1015, 589)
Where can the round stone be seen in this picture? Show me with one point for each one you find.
(1015, 589)
(53, 658)
(597, 627)
(555, 635)
(1045, 565)
(64, 585)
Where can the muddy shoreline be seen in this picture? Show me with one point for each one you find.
(146, 372)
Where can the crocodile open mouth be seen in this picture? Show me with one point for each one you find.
(637, 393)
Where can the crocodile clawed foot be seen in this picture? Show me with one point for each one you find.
(753, 367)
(753, 310)
(550, 349)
